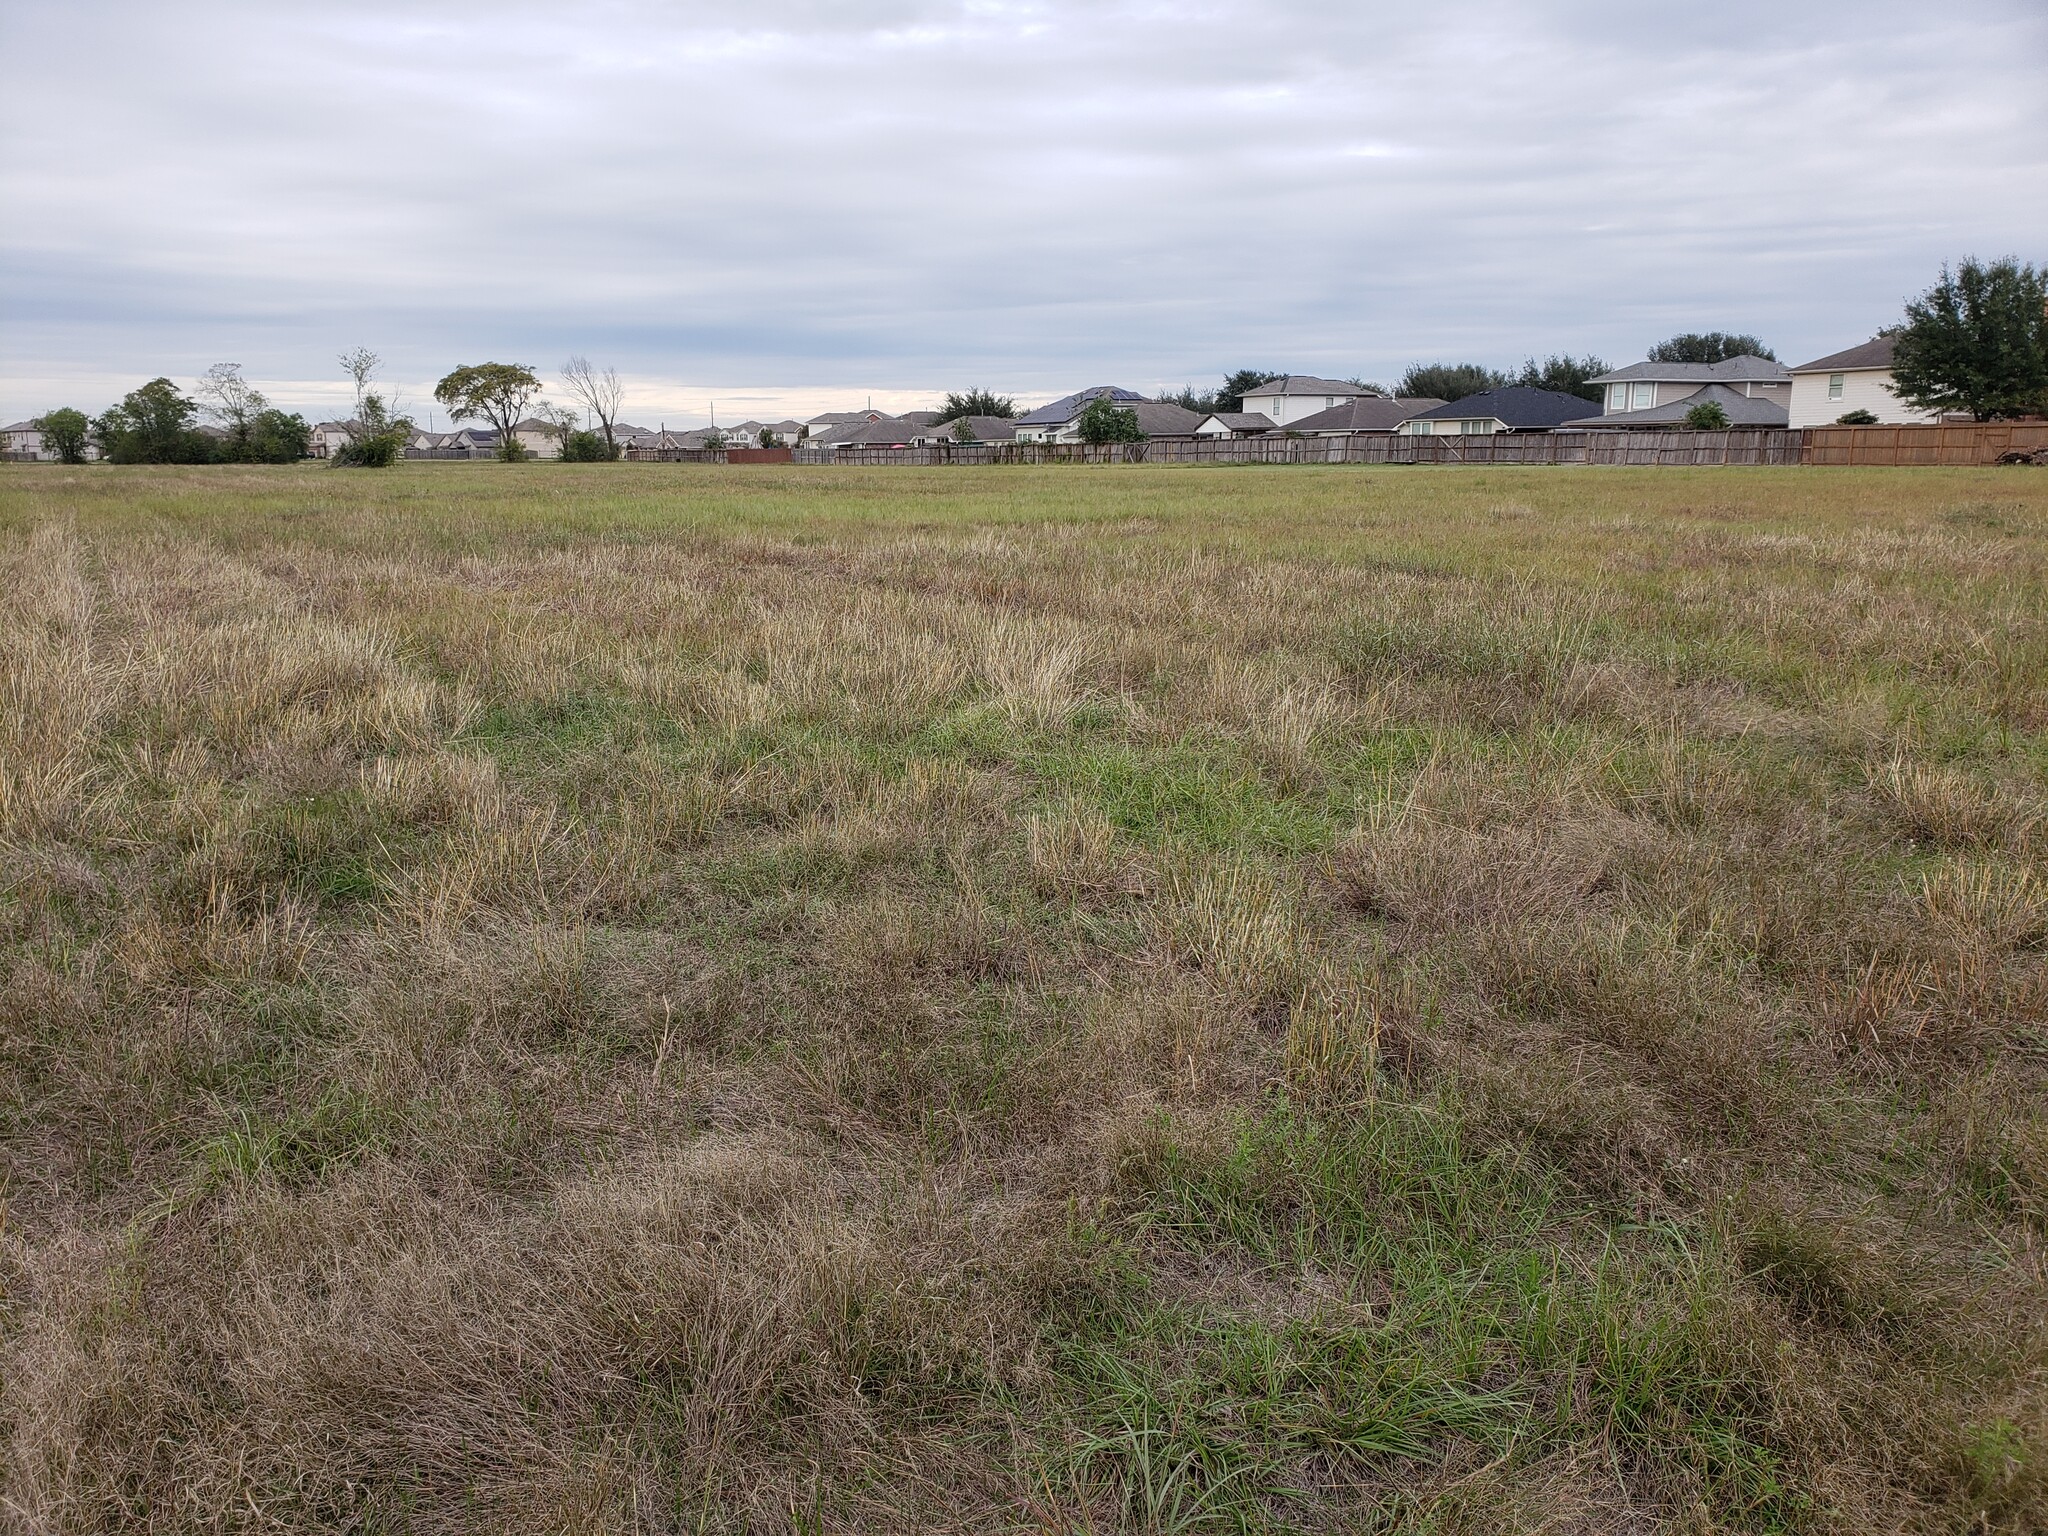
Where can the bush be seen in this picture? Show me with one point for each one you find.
(1707, 416)
(1103, 421)
(586, 448)
(1856, 418)
(153, 425)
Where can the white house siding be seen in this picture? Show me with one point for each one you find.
(1863, 389)
(1282, 409)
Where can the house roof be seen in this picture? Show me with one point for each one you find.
(1306, 384)
(920, 418)
(1874, 353)
(1242, 421)
(1515, 406)
(1065, 409)
(1743, 411)
(1731, 370)
(1161, 418)
(841, 418)
(1368, 413)
(986, 429)
(22, 426)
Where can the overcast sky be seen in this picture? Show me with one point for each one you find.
(891, 198)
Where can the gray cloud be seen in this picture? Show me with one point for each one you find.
(911, 195)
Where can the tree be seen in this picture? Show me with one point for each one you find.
(377, 436)
(977, 402)
(1707, 416)
(275, 437)
(1709, 347)
(1977, 341)
(153, 425)
(1565, 374)
(499, 393)
(769, 439)
(1188, 398)
(66, 432)
(1102, 420)
(1856, 418)
(234, 403)
(598, 393)
(587, 448)
(1239, 384)
(1448, 381)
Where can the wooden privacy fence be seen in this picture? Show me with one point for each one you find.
(1968, 442)
(1752, 446)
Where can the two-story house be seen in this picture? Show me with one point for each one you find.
(1660, 394)
(1287, 399)
(1060, 422)
(1860, 379)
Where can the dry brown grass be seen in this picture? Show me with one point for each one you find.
(648, 1000)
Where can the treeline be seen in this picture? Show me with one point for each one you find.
(159, 424)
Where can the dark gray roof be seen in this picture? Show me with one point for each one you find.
(1068, 407)
(1735, 370)
(841, 418)
(919, 418)
(1243, 421)
(1516, 407)
(1874, 353)
(1160, 418)
(886, 433)
(1368, 413)
(986, 429)
(1306, 384)
(1743, 411)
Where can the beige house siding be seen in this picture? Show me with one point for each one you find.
(1648, 393)
(1282, 409)
(1861, 389)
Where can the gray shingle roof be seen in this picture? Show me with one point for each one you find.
(1306, 384)
(1160, 418)
(1743, 411)
(1368, 413)
(1066, 408)
(1515, 406)
(1874, 353)
(1243, 421)
(1732, 370)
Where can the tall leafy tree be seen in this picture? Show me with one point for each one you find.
(1709, 347)
(498, 393)
(1236, 385)
(153, 425)
(977, 402)
(1565, 374)
(1448, 381)
(1977, 341)
(66, 432)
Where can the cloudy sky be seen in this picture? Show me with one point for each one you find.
(798, 206)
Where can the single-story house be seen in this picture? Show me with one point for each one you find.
(1742, 411)
(477, 442)
(1292, 396)
(1516, 408)
(1367, 413)
(1859, 379)
(1060, 422)
(1235, 424)
(540, 439)
(1645, 386)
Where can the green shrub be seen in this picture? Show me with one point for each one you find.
(586, 448)
(1856, 418)
(1707, 416)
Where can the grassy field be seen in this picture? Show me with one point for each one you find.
(659, 998)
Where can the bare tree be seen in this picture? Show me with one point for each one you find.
(598, 393)
(361, 366)
(231, 399)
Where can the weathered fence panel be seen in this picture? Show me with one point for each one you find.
(1740, 446)
(1953, 443)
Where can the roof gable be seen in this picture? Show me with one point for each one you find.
(1515, 406)
(1874, 353)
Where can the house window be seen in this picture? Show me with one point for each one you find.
(1471, 427)
(1834, 386)
(1617, 397)
(1421, 428)
(1642, 396)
